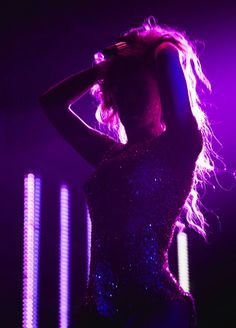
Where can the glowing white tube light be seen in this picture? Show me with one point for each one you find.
(89, 235)
(64, 258)
(31, 250)
(183, 266)
(37, 201)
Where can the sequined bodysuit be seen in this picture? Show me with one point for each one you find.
(134, 198)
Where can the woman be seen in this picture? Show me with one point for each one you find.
(145, 183)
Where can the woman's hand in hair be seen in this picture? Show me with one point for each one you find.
(102, 67)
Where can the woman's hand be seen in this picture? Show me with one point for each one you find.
(116, 48)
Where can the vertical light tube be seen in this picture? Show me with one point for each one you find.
(89, 235)
(31, 250)
(64, 258)
(37, 201)
(28, 267)
(183, 266)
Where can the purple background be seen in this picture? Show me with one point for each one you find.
(42, 43)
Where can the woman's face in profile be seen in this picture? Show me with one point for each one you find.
(135, 92)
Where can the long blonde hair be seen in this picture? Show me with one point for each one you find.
(145, 40)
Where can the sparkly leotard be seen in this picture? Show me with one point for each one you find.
(134, 198)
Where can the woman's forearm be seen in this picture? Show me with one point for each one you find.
(71, 89)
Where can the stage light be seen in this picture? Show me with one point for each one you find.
(183, 265)
(64, 258)
(31, 231)
(89, 235)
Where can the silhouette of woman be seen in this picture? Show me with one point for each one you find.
(145, 179)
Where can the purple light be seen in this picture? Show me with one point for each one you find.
(31, 250)
(197, 85)
(89, 235)
(64, 258)
(37, 201)
(182, 246)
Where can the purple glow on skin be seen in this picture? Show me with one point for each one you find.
(64, 258)
(183, 268)
(89, 235)
(31, 250)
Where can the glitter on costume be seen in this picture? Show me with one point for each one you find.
(133, 221)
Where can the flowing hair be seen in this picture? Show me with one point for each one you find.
(144, 40)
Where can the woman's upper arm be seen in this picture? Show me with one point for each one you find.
(176, 108)
(88, 142)
(173, 89)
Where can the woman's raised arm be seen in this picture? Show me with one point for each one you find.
(88, 142)
(177, 112)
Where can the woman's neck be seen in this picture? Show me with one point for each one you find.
(137, 134)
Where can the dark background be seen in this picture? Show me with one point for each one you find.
(42, 43)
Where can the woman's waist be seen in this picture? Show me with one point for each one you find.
(145, 246)
(131, 271)
(129, 257)
(128, 286)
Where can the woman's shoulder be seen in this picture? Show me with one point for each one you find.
(168, 146)
(187, 142)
